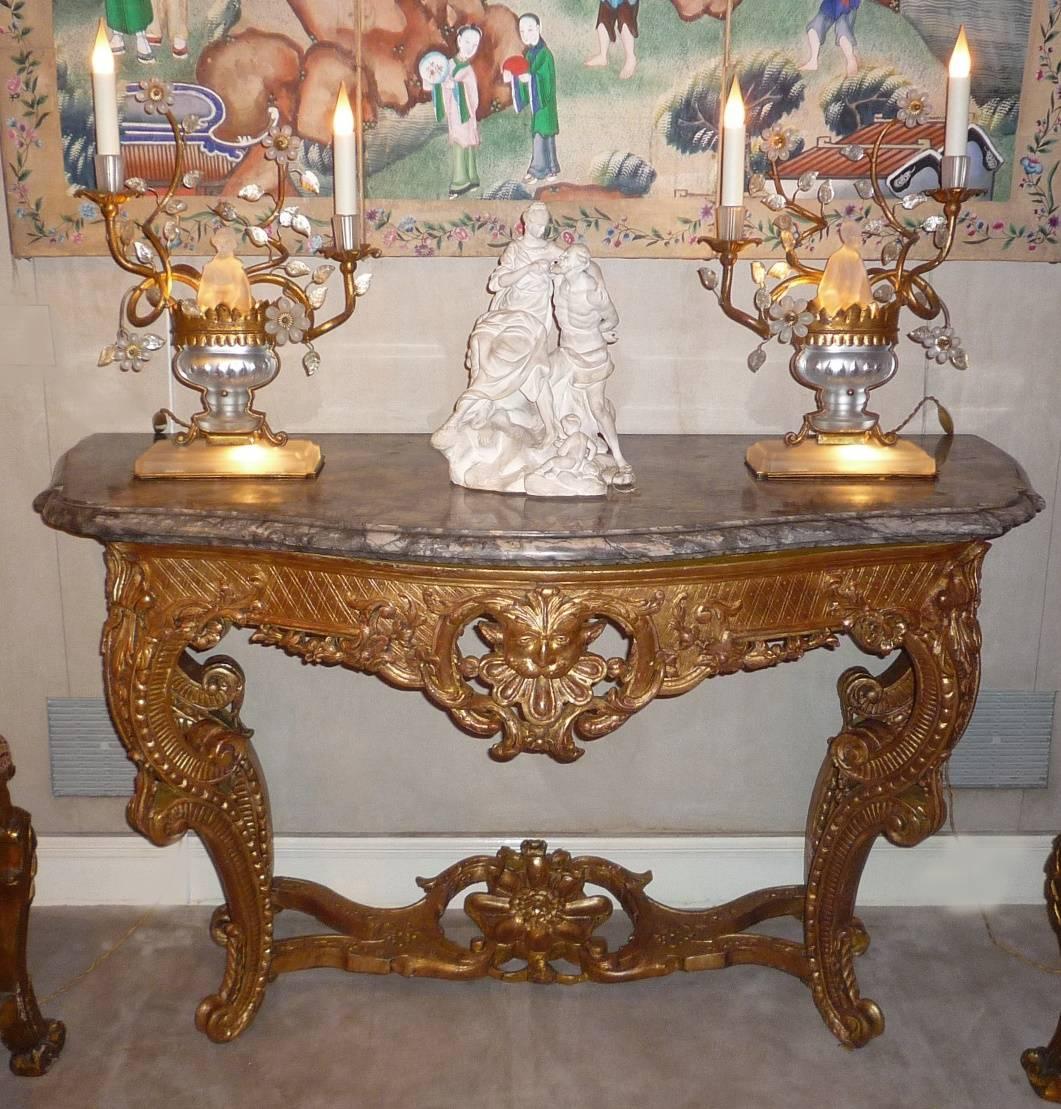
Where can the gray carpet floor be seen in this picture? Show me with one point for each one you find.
(959, 1012)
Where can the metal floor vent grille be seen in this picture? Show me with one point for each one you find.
(1006, 746)
(1007, 743)
(87, 758)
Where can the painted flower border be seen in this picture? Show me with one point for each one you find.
(46, 219)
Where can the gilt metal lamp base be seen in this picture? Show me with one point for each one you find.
(203, 458)
(774, 458)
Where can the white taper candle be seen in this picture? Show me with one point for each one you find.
(733, 149)
(344, 156)
(105, 95)
(956, 143)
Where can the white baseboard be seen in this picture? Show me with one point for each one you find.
(689, 870)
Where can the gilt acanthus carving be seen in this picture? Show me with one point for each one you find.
(528, 656)
(709, 642)
(541, 683)
(376, 636)
(876, 631)
(196, 770)
(537, 684)
(884, 775)
(536, 909)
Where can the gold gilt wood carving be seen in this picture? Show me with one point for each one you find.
(1043, 1064)
(540, 682)
(33, 1040)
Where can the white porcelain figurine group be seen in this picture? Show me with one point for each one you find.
(534, 418)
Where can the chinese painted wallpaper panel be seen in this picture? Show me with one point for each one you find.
(606, 109)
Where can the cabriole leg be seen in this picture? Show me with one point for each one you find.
(34, 1042)
(883, 772)
(196, 769)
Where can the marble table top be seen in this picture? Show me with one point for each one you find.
(388, 497)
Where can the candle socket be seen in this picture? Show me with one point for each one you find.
(729, 221)
(110, 173)
(345, 232)
(954, 171)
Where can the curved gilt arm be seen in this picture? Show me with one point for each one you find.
(886, 209)
(33, 1040)
(1043, 1064)
(953, 200)
(817, 221)
(347, 266)
(728, 251)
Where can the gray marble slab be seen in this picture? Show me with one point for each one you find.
(389, 497)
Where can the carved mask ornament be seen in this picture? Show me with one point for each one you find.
(539, 659)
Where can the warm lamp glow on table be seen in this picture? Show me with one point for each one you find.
(224, 280)
(845, 282)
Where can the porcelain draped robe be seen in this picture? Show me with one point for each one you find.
(534, 417)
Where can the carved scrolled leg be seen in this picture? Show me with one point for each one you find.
(33, 1041)
(1043, 1064)
(196, 769)
(883, 772)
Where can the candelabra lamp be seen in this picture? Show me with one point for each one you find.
(226, 341)
(845, 329)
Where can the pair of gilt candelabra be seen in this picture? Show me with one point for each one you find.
(844, 336)
(225, 340)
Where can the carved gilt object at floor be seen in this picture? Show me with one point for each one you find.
(33, 1041)
(1043, 1064)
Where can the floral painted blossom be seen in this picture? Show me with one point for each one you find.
(778, 143)
(156, 96)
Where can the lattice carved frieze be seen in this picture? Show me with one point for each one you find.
(513, 654)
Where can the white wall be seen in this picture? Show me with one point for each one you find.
(344, 753)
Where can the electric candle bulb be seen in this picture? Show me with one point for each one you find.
(958, 85)
(344, 156)
(733, 116)
(105, 95)
(733, 149)
(845, 282)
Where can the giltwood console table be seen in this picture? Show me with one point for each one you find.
(381, 566)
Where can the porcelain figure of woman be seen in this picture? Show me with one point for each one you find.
(523, 277)
(502, 426)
